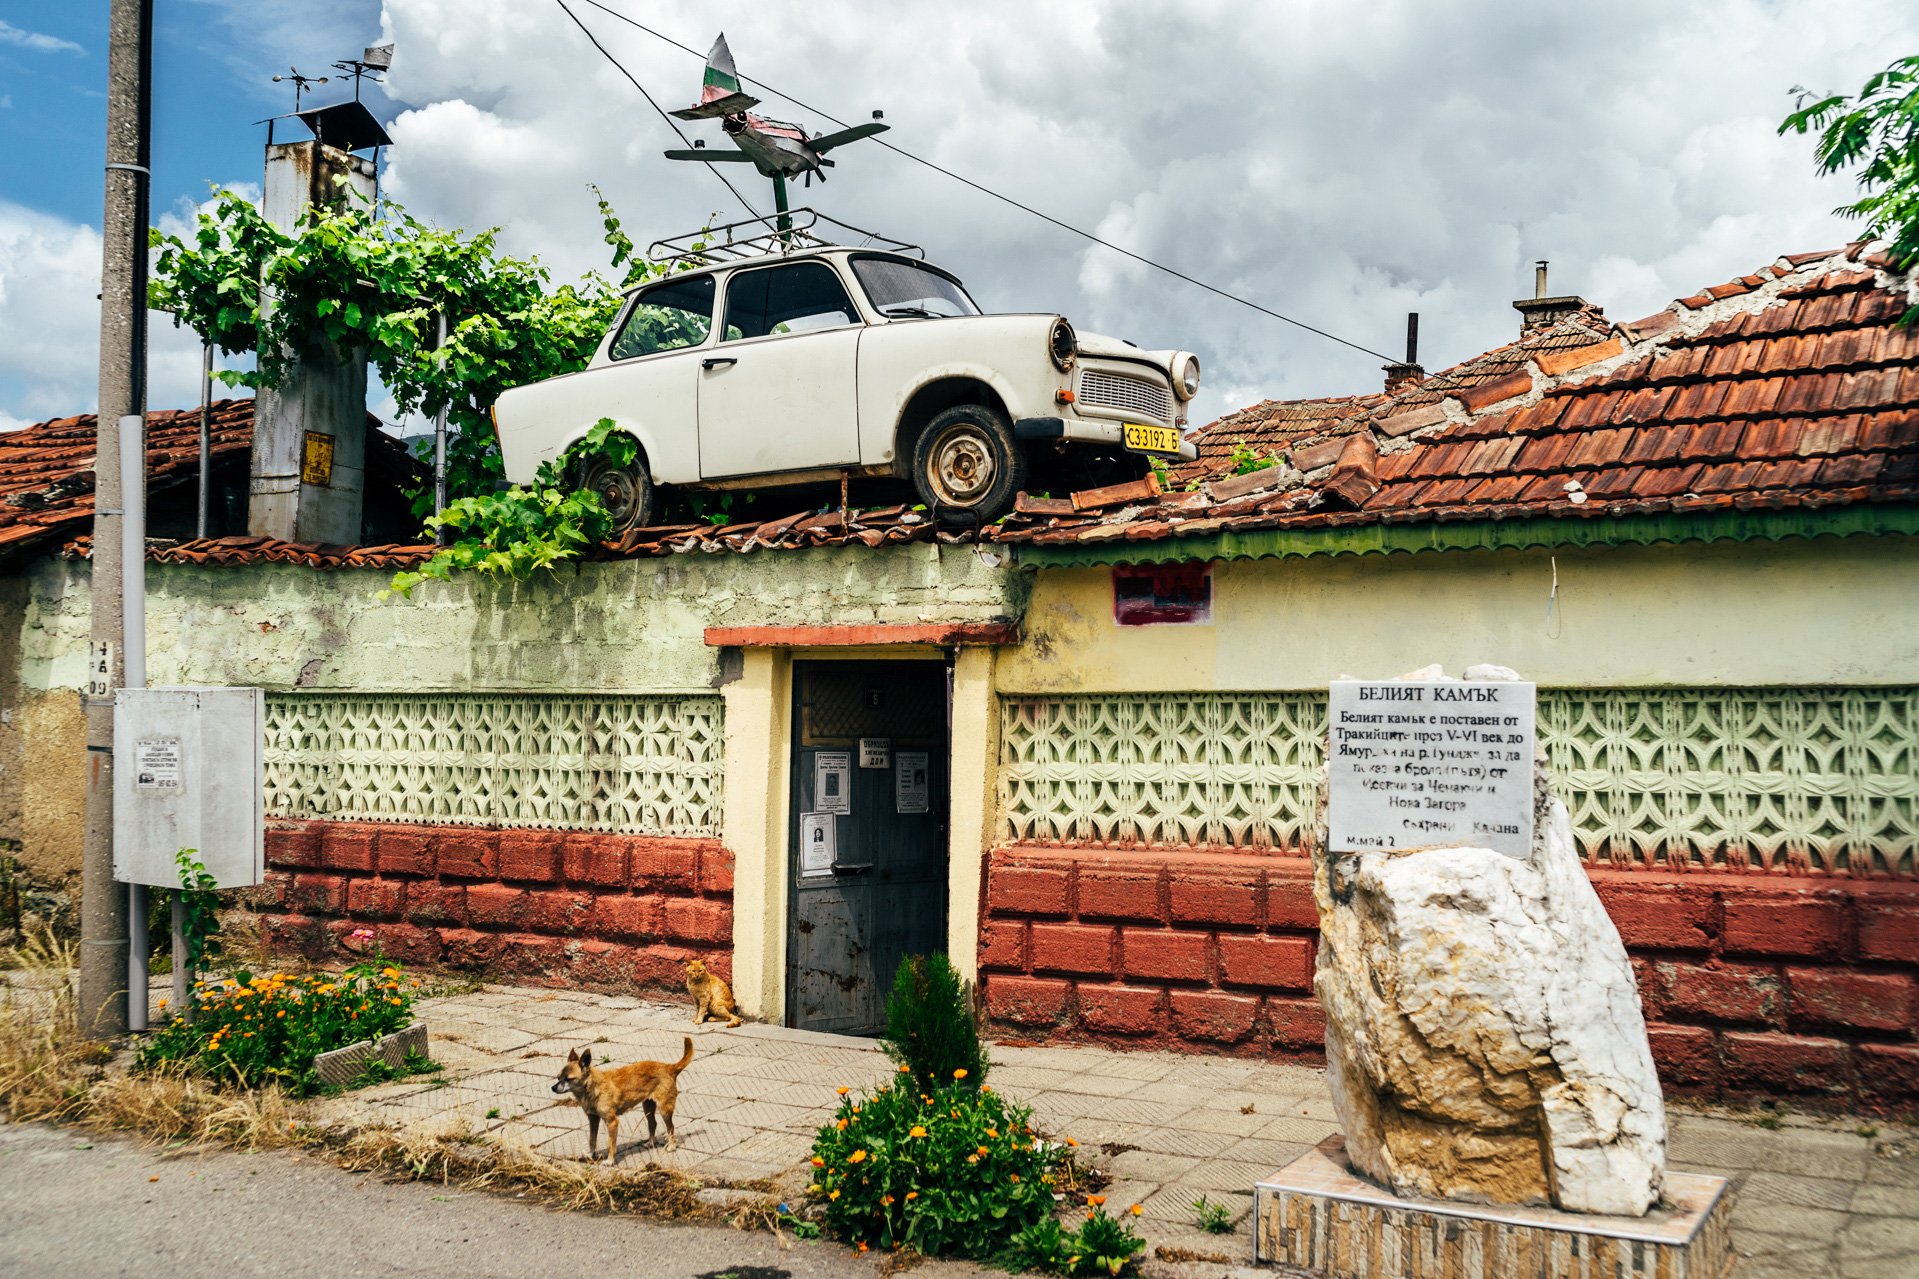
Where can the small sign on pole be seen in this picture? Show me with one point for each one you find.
(1418, 764)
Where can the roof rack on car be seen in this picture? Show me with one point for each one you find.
(758, 237)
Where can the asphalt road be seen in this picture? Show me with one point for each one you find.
(75, 1204)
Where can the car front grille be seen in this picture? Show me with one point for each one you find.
(1103, 390)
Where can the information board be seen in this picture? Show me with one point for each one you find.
(1413, 764)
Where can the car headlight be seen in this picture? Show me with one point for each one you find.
(1186, 375)
(1063, 345)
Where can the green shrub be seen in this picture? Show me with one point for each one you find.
(1102, 1245)
(256, 1030)
(954, 1170)
(930, 1028)
(1214, 1219)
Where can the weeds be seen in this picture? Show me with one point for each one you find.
(1214, 1219)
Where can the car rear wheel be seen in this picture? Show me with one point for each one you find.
(968, 461)
(625, 491)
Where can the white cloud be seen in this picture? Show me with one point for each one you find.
(1340, 164)
(10, 34)
(50, 324)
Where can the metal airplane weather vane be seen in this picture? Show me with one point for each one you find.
(777, 149)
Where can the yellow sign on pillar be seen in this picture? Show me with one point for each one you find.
(316, 464)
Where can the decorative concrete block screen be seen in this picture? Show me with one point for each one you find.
(1770, 779)
(636, 763)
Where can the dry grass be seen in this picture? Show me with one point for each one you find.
(179, 1108)
(46, 1065)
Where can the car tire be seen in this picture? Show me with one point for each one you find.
(967, 464)
(626, 492)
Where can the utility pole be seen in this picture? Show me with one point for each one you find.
(123, 351)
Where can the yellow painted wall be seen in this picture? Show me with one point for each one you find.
(1825, 611)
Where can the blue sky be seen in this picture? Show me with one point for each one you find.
(1342, 163)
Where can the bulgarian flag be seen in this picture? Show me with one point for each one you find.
(722, 80)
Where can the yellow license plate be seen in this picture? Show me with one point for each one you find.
(1150, 439)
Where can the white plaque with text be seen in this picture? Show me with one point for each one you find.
(1414, 764)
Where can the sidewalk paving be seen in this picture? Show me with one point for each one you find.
(1815, 1199)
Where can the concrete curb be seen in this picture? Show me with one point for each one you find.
(342, 1066)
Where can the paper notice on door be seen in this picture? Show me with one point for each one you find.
(156, 763)
(816, 844)
(833, 781)
(911, 791)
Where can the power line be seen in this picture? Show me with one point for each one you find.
(1046, 217)
(649, 100)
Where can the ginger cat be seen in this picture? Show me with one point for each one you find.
(712, 997)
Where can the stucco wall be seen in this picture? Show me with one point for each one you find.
(630, 625)
(1823, 611)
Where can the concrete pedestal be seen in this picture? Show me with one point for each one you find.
(1317, 1215)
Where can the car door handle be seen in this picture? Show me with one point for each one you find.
(851, 868)
(716, 361)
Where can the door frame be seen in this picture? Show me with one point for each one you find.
(756, 817)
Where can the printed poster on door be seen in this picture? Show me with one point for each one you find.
(833, 781)
(816, 843)
(912, 791)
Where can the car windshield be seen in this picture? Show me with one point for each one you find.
(675, 315)
(904, 289)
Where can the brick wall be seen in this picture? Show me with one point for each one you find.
(1751, 984)
(563, 908)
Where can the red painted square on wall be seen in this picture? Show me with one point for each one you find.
(1161, 594)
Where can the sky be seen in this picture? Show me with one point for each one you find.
(1342, 164)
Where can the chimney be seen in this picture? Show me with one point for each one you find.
(1540, 312)
(1401, 376)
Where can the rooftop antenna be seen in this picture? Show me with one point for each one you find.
(300, 83)
(778, 150)
(377, 57)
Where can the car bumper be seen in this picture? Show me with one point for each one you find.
(1086, 430)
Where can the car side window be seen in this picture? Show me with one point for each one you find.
(785, 299)
(674, 315)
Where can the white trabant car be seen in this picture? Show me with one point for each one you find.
(806, 367)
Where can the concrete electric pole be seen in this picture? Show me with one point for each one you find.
(123, 392)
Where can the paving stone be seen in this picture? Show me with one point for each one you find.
(712, 1136)
(1274, 1155)
(1303, 1132)
(499, 1039)
(1812, 1225)
(1879, 1237)
(1800, 1192)
(1225, 1122)
(1101, 1085)
(1182, 1140)
(1126, 1110)
(777, 1148)
(1809, 1153)
(1226, 1175)
(1765, 1256)
(1150, 1165)
(1885, 1201)
(1027, 1078)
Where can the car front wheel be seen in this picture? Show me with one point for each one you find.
(626, 492)
(968, 461)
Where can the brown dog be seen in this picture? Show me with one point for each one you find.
(608, 1094)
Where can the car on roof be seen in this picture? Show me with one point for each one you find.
(818, 363)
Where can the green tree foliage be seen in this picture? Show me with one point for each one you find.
(930, 1030)
(345, 280)
(1877, 129)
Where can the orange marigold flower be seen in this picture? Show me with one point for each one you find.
(1014, 1176)
(993, 1133)
(818, 1162)
(972, 1159)
(960, 1073)
(856, 1156)
(984, 1151)
(833, 1195)
(844, 1091)
(1071, 1142)
(1137, 1210)
(862, 1245)
(842, 1125)
(916, 1131)
(1096, 1200)
(885, 1200)
(986, 1088)
(903, 1070)
(912, 1194)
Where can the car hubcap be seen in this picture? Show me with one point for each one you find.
(962, 468)
(616, 490)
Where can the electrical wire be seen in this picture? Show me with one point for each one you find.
(1007, 199)
(651, 103)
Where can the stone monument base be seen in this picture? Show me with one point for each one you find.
(1315, 1214)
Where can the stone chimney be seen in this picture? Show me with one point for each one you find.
(1406, 374)
(1540, 312)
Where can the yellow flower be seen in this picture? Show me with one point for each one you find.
(856, 1156)
(960, 1073)
(390, 972)
(1137, 1210)
(834, 1195)
(916, 1131)
(813, 1189)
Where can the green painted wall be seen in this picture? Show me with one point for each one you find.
(632, 625)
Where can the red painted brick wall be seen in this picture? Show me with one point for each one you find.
(562, 908)
(1751, 984)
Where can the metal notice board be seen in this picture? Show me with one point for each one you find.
(189, 772)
